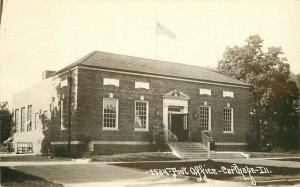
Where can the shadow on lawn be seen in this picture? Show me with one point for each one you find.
(10, 177)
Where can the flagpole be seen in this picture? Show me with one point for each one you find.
(1, 10)
(156, 42)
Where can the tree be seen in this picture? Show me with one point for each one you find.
(273, 120)
(296, 78)
(5, 121)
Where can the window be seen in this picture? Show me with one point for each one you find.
(205, 91)
(228, 94)
(17, 120)
(36, 120)
(185, 122)
(175, 109)
(114, 82)
(141, 115)
(64, 83)
(63, 115)
(228, 119)
(110, 113)
(144, 85)
(205, 118)
(29, 118)
(295, 102)
(22, 119)
(45, 119)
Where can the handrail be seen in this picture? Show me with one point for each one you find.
(205, 139)
(172, 137)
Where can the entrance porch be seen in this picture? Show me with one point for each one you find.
(175, 114)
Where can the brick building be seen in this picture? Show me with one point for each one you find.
(112, 101)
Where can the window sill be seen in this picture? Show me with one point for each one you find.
(141, 130)
(110, 129)
(228, 132)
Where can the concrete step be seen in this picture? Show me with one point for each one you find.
(194, 150)
(189, 151)
(186, 143)
(193, 154)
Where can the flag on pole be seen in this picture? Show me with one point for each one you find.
(161, 29)
(1, 9)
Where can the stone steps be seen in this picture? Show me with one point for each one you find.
(195, 150)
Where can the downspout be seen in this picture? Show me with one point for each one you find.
(69, 109)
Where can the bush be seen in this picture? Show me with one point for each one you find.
(159, 136)
(6, 122)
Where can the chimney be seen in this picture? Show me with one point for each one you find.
(46, 74)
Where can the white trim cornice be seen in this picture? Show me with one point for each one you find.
(163, 77)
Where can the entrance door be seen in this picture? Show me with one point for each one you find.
(178, 126)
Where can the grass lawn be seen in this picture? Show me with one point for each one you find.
(129, 157)
(13, 178)
(275, 172)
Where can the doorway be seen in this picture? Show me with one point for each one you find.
(178, 126)
(175, 103)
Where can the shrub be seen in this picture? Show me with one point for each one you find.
(159, 136)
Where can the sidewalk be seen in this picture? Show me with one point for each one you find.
(45, 163)
(14, 154)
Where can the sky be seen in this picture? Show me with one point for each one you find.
(38, 35)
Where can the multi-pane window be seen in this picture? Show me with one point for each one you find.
(45, 119)
(36, 120)
(175, 109)
(63, 114)
(17, 120)
(205, 118)
(141, 115)
(110, 113)
(185, 122)
(228, 120)
(23, 121)
(29, 118)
